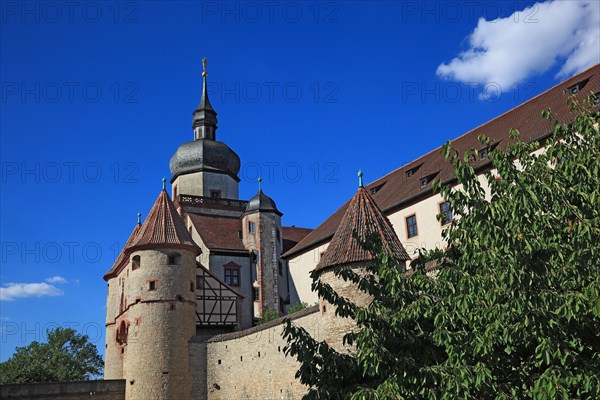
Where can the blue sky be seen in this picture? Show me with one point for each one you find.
(97, 96)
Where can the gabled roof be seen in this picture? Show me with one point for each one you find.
(293, 235)
(361, 219)
(219, 232)
(164, 228)
(124, 255)
(397, 189)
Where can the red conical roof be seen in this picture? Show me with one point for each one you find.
(363, 217)
(164, 228)
(123, 256)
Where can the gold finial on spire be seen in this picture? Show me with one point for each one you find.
(204, 64)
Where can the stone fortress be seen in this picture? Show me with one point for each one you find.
(193, 279)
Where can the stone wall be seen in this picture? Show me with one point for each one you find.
(250, 364)
(89, 390)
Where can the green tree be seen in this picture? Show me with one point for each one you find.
(67, 356)
(513, 310)
(297, 307)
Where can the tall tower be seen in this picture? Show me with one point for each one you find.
(157, 312)
(262, 236)
(362, 219)
(205, 167)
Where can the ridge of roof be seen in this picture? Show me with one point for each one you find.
(398, 189)
(361, 219)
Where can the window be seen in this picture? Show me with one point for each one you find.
(483, 153)
(256, 294)
(199, 282)
(446, 213)
(251, 227)
(173, 259)
(232, 276)
(596, 99)
(135, 262)
(192, 287)
(215, 194)
(411, 226)
(152, 285)
(280, 265)
(423, 182)
(278, 235)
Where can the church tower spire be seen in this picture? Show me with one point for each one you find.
(204, 122)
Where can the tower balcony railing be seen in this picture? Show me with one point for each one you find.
(203, 201)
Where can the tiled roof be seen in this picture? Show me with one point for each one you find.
(124, 255)
(164, 228)
(361, 219)
(219, 232)
(293, 235)
(397, 189)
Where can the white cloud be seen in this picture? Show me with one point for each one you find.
(509, 50)
(13, 291)
(56, 279)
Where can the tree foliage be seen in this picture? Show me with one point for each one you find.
(513, 310)
(67, 356)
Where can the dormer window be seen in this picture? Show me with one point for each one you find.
(423, 182)
(596, 99)
(576, 88)
(483, 153)
(377, 188)
(411, 172)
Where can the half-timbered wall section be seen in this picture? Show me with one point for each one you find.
(217, 304)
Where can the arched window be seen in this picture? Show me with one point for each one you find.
(122, 333)
(135, 262)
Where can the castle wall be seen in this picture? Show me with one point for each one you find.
(251, 364)
(334, 328)
(98, 390)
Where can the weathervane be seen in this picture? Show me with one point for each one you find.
(204, 64)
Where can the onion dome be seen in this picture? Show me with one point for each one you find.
(362, 218)
(204, 155)
(262, 202)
